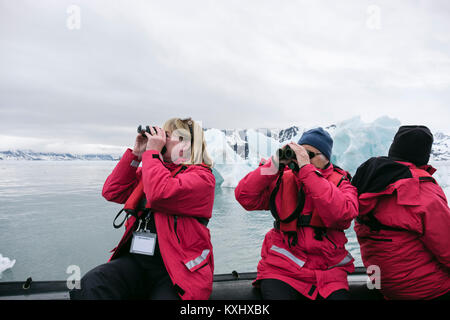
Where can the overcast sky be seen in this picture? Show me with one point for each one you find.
(83, 85)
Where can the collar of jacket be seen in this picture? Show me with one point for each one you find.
(171, 166)
(327, 171)
(428, 167)
(407, 191)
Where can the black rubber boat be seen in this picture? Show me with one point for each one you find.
(233, 286)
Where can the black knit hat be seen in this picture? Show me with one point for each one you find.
(412, 144)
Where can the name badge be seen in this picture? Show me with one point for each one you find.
(143, 242)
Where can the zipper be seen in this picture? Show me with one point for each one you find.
(175, 221)
(175, 217)
(326, 236)
(181, 169)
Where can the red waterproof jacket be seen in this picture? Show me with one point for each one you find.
(415, 260)
(187, 251)
(311, 266)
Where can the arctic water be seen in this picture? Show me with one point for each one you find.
(53, 216)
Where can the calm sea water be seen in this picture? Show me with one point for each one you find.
(52, 215)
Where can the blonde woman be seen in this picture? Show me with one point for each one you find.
(166, 252)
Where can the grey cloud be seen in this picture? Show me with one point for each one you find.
(230, 65)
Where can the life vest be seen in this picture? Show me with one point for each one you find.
(137, 205)
(289, 218)
(374, 224)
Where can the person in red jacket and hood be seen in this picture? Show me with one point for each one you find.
(304, 257)
(403, 226)
(166, 251)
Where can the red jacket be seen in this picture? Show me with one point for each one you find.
(187, 253)
(415, 263)
(312, 266)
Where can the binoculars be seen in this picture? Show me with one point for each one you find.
(286, 153)
(147, 129)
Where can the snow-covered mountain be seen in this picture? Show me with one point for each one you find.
(354, 141)
(31, 155)
(238, 151)
(242, 141)
(441, 147)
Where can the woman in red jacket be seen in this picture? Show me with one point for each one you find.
(310, 260)
(166, 252)
(403, 226)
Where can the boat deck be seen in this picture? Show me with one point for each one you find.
(233, 286)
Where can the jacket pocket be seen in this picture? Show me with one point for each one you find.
(344, 261)
(198, 261)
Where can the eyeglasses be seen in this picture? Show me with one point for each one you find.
(312, 154)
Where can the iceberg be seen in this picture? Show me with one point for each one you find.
(236, 152)
(442, 175)
(5, 264)
(220, 149)
(239, 151)
(356, 141)
(260, 146)
(229, 166)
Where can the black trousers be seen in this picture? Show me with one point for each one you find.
(274, 289)
(130, 276)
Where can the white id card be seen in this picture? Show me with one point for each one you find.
(143, 243)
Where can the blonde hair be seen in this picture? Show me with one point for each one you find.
(193, 132)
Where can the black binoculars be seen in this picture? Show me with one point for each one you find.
(147, 129)
(286, 153)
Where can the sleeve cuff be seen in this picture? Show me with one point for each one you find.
(131, 158)
(269, 169)
(150, 155)
(306, 170)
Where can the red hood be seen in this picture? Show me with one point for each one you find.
(428, 167)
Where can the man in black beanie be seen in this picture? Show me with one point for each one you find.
(412, 144)
(404, 220)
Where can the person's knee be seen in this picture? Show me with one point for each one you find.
(340, 294)
(163, 289)
(273, 289)
(93, 279)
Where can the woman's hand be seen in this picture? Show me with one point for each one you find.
(300, 153)
(140, 145)
(156, 140)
